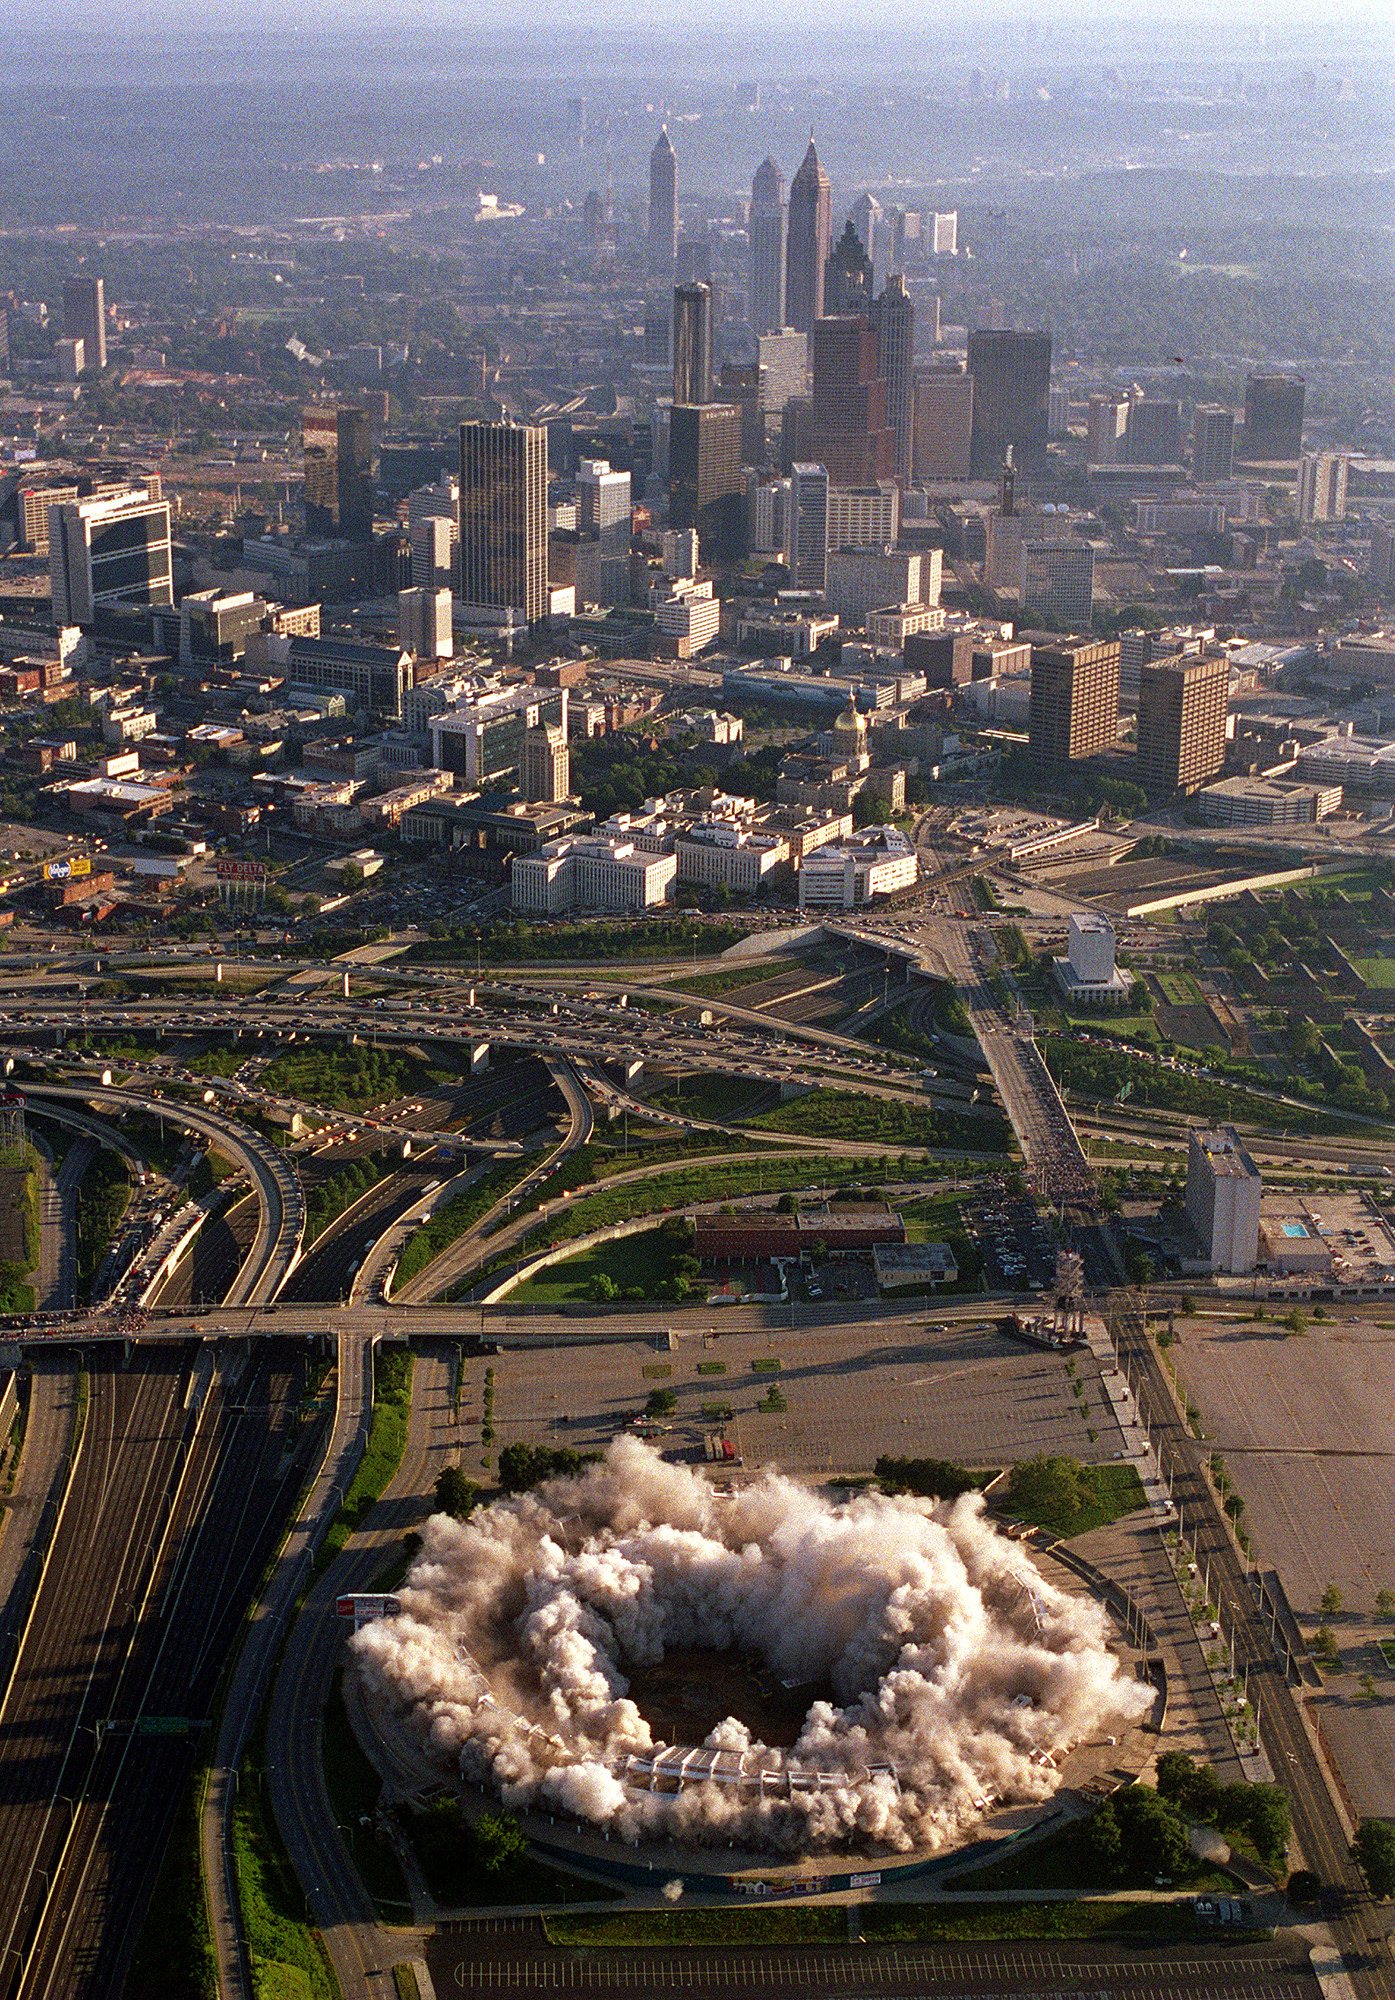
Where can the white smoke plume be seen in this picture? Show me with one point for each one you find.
(958, 1673)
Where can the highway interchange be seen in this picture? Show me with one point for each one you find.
(207, 1473)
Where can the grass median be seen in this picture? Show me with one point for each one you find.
(387, 1440)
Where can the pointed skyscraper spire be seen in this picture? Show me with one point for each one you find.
(810, 235)
(767, 232)
(663, 204)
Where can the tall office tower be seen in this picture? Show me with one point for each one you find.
(783, 363)
(658, 330)
(846, 428)
(4, 340)
(865, 215)
(604, 510)
(1058, 412)
(433, 531)
(1213, 443)
(893, 322)
(944, 234)
(1273, 417)
(1106, 426)
(1182, 706)
(704, 477)
(503, 518)
(807, 243)
(663, 205)
(1012, 377)
(808, 527)
(424, 623)
(85, 319)
(943, 420)
(1380, 564)
(1074, 709)
(1057, 581)
(546, 773)
(1322, 487)
(692, 344)
(337, 444)
(108, 552)
(1154, 435)
(768, 228)
(847, 275)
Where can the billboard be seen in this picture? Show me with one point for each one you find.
(68, 868)
(366, 1606)
(240, 871)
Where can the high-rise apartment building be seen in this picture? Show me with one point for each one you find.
(808, 242)
(782, 361)
(1182, 706)
(1106, 426)
(1057, 581)
(85, 319)
(1322, 487)
(663, 205)
(768, 230)
(337, 449)
(808, 527)
(604, 510)
(847, 275)
(704, 477)
(1273, 417)
(1074, 709)
(424, 623)
(893, 322)
(433, 531)
(692, 344)
(1154, 435)
(1012, 381)
(942, 423)
(864, 517)
(1224, 1189)
(1380, 564)
(944, 234)
(503, 518)
(547, 764)
(109, 552)
(1213, 444)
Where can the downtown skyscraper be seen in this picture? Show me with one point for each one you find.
(503, 518)
(768, 233)
(663, 205)
(893, 322)
(809, 241)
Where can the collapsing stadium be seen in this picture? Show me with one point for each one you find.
(944, 1673)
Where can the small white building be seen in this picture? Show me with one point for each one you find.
(590, 872)
(878, 861)
(1223, 1197)
(1088, 974)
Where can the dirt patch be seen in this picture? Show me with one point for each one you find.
(687, 1693)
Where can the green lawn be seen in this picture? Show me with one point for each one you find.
(354, 1787)
(722, 1099)
(1117, 1490)
(1063, 1860)
(1377, 972)
(387, 1440)
(643, 1262)
(730, 979)
(881, 1923)
(1181, 989)
(827, 1113)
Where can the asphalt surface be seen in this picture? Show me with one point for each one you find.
(178, 1485)
(1359, 1929)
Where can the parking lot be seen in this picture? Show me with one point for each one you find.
(1306, 1426)
(850, 1393)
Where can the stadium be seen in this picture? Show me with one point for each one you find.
(634, 1656)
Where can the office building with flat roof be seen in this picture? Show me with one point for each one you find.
(1183, 703)
(1074, 706)
(503, 519)
(1012, 382)
(108, 552)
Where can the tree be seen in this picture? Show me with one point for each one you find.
(498, 1841)
(1385, 1604)
(603, 1288)
(1373, 1851)
(1152, 1834)
(1050, 1490)
(1106, 1843)
(524, 1465)
(456, 1495)
(1194, 1788)
(934, 1478)
(660, 1403)
(1331, 1601)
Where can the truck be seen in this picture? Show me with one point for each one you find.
(721, 1450)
